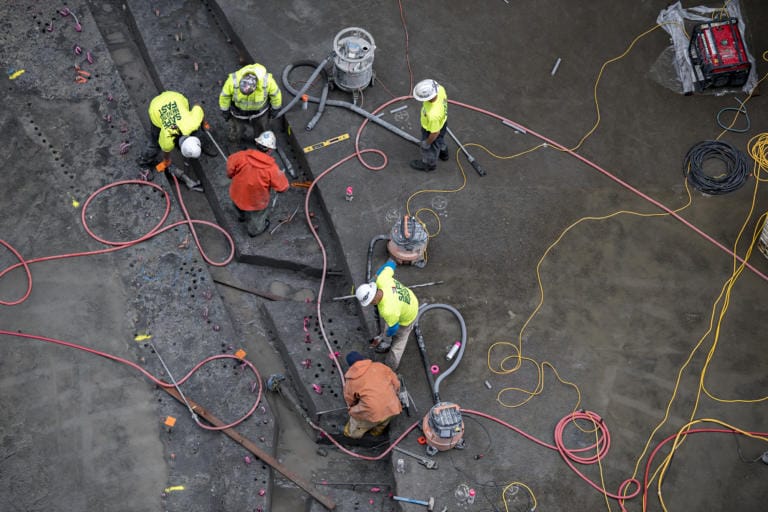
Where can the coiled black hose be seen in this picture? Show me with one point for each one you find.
(736, 167)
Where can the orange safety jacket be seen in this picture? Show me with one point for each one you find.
(371, 391)
(253, 174)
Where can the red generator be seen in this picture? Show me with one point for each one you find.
(718, 55)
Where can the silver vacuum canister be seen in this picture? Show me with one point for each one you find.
(353, 59)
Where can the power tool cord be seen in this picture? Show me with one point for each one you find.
(741, 109)
(154, 379)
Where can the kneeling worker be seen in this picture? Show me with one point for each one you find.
(254, 174)
(397, 306)
(371, 393)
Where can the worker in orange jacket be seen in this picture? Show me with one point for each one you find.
(371, 393)
(255, 174)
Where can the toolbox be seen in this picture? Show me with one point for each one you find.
(718, 55)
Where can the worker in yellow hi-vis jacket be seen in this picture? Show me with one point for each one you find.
(434, 124)
(398, 307)
(174, 124)
(249, 96)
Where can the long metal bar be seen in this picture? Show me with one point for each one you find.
(471, 159)
(258, 452)
(175, 384)
(221, 152)
(345, 297)
(265, 295)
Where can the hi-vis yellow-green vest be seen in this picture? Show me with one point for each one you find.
(170, 112)
(266, 89)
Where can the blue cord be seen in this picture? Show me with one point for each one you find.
(740, 110)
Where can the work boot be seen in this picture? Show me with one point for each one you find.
(444, 156)
(421, 166)
(383, 347)
(266, 227)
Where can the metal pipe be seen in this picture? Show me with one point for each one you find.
(470, 158)
(257, 451)
(286, 163)
(422, 285)
(223, 155)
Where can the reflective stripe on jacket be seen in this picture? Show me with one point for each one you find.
(170, 112)
(266, 89)
(371, 391)
(253, 174)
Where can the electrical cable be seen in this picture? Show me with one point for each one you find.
(574, 455)
(741, 109)
(117, 245)
(684, 432)
(151, 377)
(735, 162)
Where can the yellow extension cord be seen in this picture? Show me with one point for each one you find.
(758, 149)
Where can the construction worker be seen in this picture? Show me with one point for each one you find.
(434, 123)
(398, 307)
(254, 174)
(250, 95)
(174, 124)
(371, 393)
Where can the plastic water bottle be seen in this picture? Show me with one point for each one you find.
(348, 194)
(400, 466)
(471, 497)
(455, 348)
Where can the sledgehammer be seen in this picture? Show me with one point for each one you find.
(429, 504)
(471, 159)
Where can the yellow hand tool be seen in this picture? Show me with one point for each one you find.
(325, 143)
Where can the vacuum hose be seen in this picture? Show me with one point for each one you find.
(435, 386)
(324, 101)
(369, 272)
(297, 94)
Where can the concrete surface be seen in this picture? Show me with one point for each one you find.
(616, 303)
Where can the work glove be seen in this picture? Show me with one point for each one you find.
(273, 112)
(162, 166)
(425, 144)
(226, 114)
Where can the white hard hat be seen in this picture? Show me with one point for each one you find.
(190, 146)
(425, 90)
(267, 139)
(365, 293)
